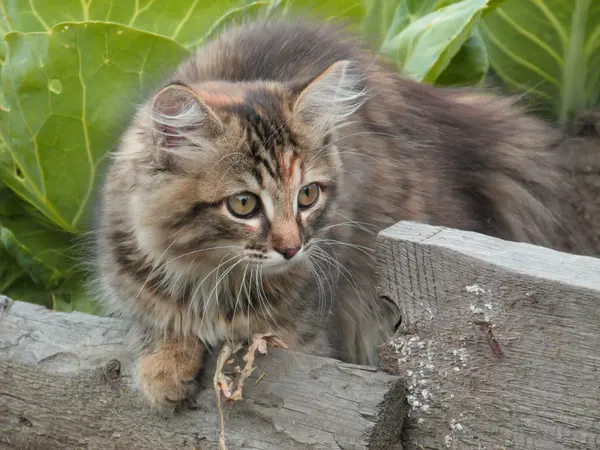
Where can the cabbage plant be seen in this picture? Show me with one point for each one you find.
(72, 72)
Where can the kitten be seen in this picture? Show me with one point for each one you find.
(246, 195)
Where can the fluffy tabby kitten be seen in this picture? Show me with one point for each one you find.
(246, 195)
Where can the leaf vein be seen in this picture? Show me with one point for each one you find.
(141, 71)
(593, 43)
(86, 9)
(108, 12)
(533, 38)
(562, 32)
(139, 11)
(520, 86)
(518, 59)
(5, 15)
(187, 16)
(36, 191)
(47, 81)
(86, 136)
(37, 15)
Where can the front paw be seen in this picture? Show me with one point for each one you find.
(167, 377)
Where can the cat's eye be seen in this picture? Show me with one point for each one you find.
(243, 205)
(308, 195)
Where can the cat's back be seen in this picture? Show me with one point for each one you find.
(278, 50)
(461, 158)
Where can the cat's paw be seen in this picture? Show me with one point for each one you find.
(167, 377)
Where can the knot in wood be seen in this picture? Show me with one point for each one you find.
(112, 369)
(5, 304)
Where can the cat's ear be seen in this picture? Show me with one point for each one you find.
(332, 97)
(180, 117)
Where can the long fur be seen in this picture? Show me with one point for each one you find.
(266, 109)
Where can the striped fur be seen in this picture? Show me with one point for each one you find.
(269, 109)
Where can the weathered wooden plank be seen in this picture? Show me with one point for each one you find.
(537, 385)
(64, 384)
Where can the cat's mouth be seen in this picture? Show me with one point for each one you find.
(274, 262)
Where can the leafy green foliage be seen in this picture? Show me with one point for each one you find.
(182, 21)
(60, 118)
(36, 258)
(426, 44)
(72, 72)
(549, 49)
(469, 66)
(347, 11)
(379, 18)
(15, 283)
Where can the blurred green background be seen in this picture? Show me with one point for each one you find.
(72, 72)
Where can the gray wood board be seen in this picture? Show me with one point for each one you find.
(537, 385)
(64, 384)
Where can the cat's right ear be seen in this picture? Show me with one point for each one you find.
(180, 118)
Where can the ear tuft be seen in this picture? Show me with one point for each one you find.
(178, 115)
(332, 97)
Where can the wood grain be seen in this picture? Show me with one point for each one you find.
(64, 384)
(500, 342)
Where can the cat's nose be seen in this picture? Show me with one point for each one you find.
(288, 253)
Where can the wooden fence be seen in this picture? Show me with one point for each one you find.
(499, 347)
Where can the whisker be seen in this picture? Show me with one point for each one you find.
(219, 280)
(154, 268)
(204, 300)
(237, 300)
(201, 251)
(349, 278)
(360, 223)
(323, 300)
(248, 292)
(313, 271)
(361, 248)
(341, 224)
(263, 300)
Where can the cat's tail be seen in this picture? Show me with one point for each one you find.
(526, 184)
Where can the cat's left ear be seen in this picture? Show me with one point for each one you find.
(332, 97)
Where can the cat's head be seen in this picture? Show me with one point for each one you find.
(239, 173)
